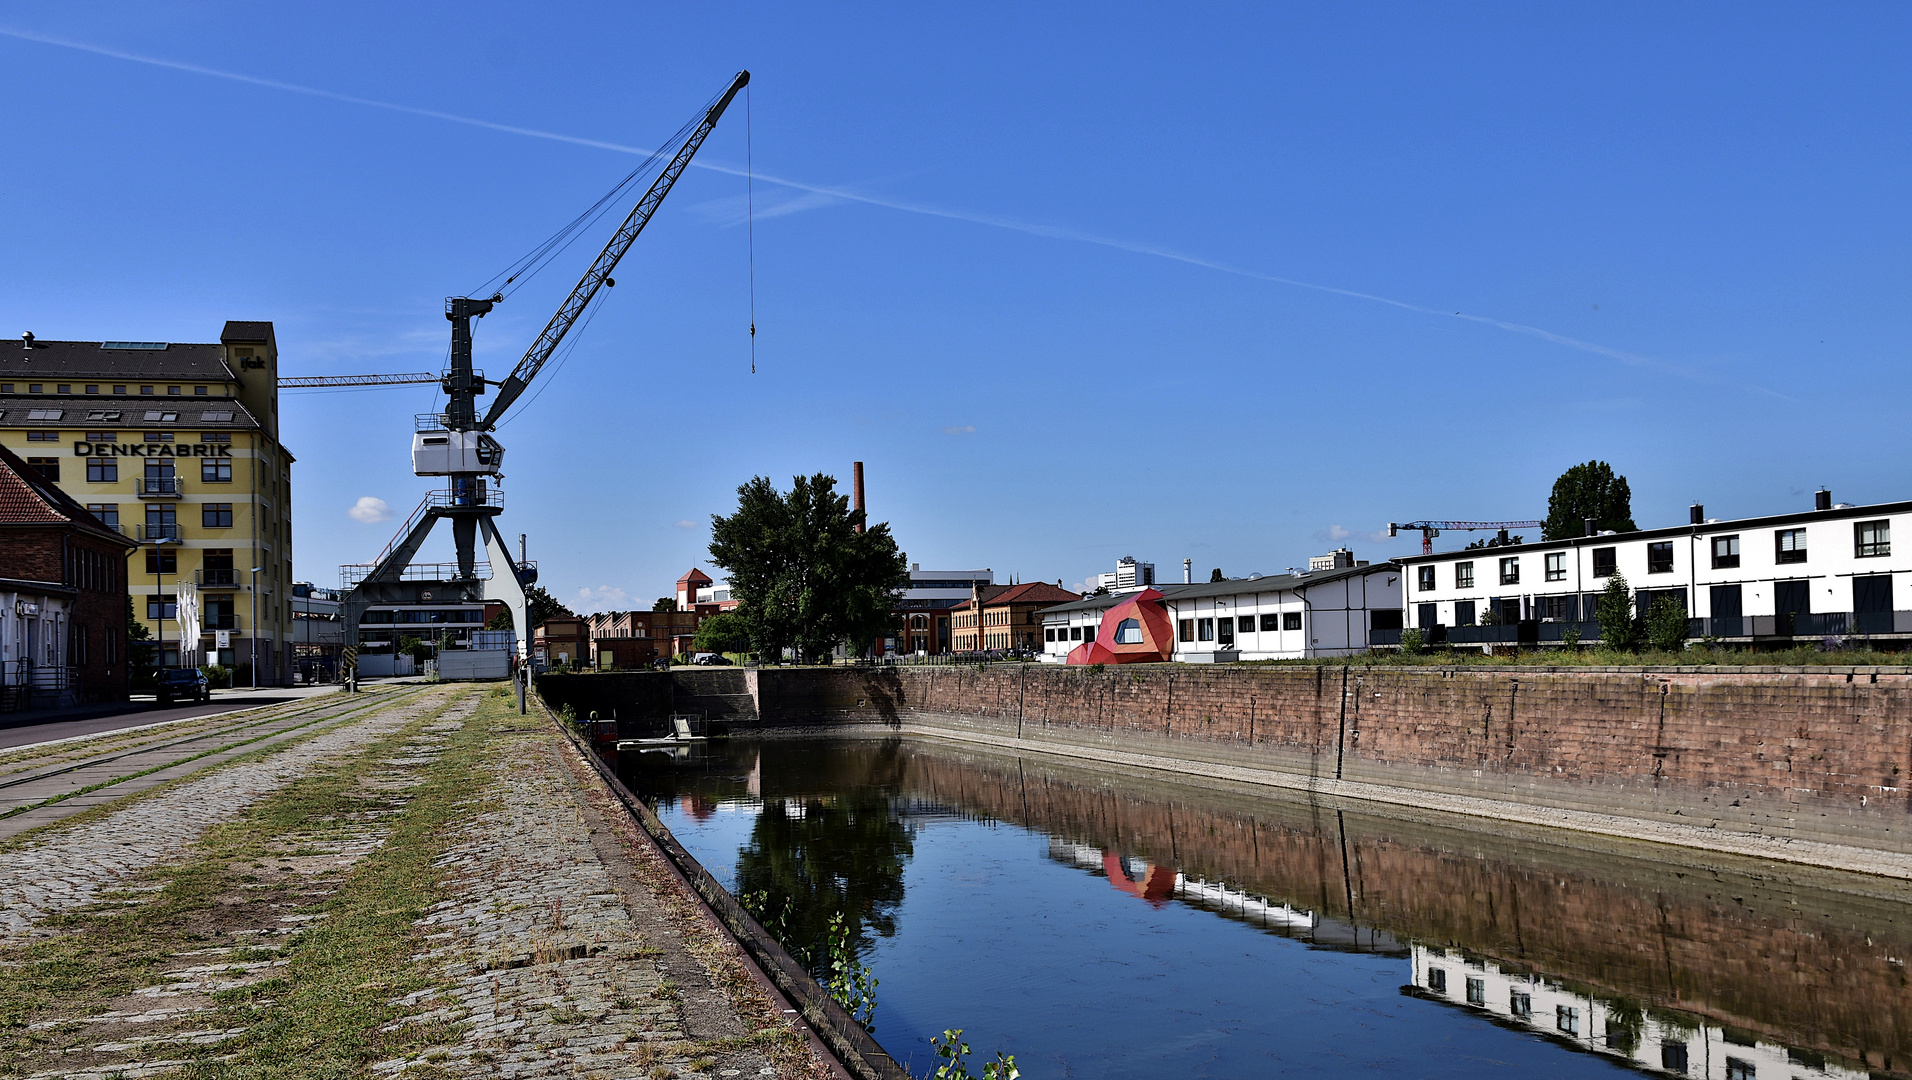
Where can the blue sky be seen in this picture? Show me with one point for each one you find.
(1234, 284)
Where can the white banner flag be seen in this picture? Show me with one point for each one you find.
(188, 600)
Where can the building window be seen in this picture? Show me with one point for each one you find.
(1291, 620)
(215, 436)
(1075, 634)
(1245, 624)
(1725, 552)
(48, 467)
(92, 388)
(172, 391)
(1556, 566)
(1520, 1003)
(66, 388)
(1425, 577)
(1464, 613)
(1048, 634)
(162, 561)
(1872, 539)
(1673, 1057)
(1659, 557)
(157, 610)
(1604, 562)
(102, 470)
(45, 414)
(106, 512)
(1791, 545)
(199, 391)
(1204, 629)
(156, 436)
(216, 515)
(1477, 992)
(1128, 632)
(119, 388)
(1437, 980)
(1567, 1019)
(1510, 570)
(1737, 1069)
(216, 470)
(33, 388)
(1271, 622)
(1464, 575)
(101, 436)
(43, 436)
(145, 389)
(1185, 630)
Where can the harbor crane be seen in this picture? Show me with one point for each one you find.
(1432, 529)
(457, 444)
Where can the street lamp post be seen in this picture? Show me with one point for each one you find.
(253, 631)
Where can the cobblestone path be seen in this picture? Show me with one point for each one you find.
(431, 890)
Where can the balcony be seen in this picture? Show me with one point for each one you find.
(216, 578)
(150, 533)
(159, 487)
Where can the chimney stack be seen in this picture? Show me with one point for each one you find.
(1696, 514)
(1593, 527)
(26, 340)
(857, 488)
(1188, 571)
(1822, 499)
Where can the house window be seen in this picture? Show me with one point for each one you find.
(1520, 1003)
(145, 389)
(1872, 538)
(156, 610)
(1556, 566)
(199, 391)
(1510, 570)
(1075, 633)
(119, 388)
(162, 561)
(66, 388)
(1128, 632)
(1477, 992)
(216, 515)
(172, 391)
(1204, 629)
(1464, 575)
(1673, 1057)
(1567, 1019)
(1737, 1069)
(48, 467)
(219, 613)
(1271, 622)
(1463, 613)
(102, 470)
(1425, 577)
(92, 388)
(1791, 545)
(1725, 552)
(33, 388)
(1604, 562)
(102, 436)
(106, 512)
(156, 436)
(1437, 980)
(216, 470)
(1048, 634)
(43, 436)
(1245, 623)
(1291, 620)
(1185, 630)
(215, 436)
(1659, 557)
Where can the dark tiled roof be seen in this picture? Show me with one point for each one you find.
(49, 360)
(76, 412)
(1029, 592)
(27, 498)
(246, 332)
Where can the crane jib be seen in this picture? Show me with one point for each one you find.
(595, 277)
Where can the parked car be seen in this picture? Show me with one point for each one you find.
(710, 659)
(185, 682)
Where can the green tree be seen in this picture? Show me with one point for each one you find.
(1216, 575)
(1614, 612)
(420, 651)
(1594, 491)
(539, 606)
(722, 633)
(1666, 625)
(803, 574)
(665, 603)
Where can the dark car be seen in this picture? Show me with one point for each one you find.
(185, 682)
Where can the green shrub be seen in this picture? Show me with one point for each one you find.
(1666, 626)
(1614, 612)
(1413, 642)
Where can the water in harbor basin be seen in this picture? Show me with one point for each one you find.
(1121, 924)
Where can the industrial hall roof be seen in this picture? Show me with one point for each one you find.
(98, 411)
(128, 360)
(1231, 587)
(27, 498)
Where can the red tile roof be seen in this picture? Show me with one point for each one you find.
(1029, 592)
(27, 498)
(695, 575)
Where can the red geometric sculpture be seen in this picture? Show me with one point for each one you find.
(1135, 631)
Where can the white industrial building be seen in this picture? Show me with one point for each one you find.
(1281, 617)
(1829, 571)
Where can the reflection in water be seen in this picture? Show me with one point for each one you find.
(1710, 971)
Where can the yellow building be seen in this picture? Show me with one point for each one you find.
(176, 446)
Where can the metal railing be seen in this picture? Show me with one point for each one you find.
(158, 532)
(350, 574)
(159, 487)
(1824, 624)
(226, 578)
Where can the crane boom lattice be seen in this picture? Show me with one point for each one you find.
(1432, 529)
(403, 378)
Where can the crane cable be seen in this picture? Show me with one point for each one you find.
(750, 227)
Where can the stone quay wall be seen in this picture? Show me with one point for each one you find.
(1819, 756)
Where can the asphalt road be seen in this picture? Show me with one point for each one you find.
(119, 715)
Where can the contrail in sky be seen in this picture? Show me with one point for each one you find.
(1053, 232)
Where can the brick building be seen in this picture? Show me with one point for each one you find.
(63, 584)
(1011, 616)
(627, 639)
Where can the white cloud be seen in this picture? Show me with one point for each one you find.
(684, 524)
(603, 598)
(960, 429)
(369, 510)
(1336, 534)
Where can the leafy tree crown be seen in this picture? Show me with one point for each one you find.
(1592, 490)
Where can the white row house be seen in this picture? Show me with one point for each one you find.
(1829, 571)
(1280, 617)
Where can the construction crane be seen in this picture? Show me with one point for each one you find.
(457, 444)
(1432, 529)
(306, 382)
